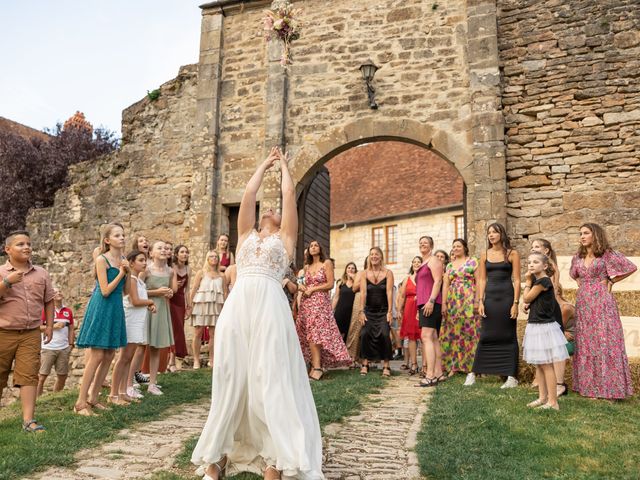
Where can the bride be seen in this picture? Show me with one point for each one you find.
(263, 418)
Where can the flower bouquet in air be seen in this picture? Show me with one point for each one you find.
(281, 22)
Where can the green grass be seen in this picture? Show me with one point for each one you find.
(483, 432)
(338, 395)
(67, 433)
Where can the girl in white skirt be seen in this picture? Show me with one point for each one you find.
(208, 294)
(136, 305)
(544, 342)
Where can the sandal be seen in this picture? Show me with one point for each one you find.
(565, 390)
(413, 370)
(172, 368)
(116, 400)
(220, 467)
(32, 426)
(427, 382)
(404, 366)
(364, 370)
(537, 403)
(314, 379)
(441, 378)
(85, 411)
(386, 372)
(97, 405)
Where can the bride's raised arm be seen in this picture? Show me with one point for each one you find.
(247, 213)
(289, 225)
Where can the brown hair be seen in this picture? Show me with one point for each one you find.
(309, 258)
(344, 277)
(600, 242)
(504, 239)
(462, 242)
(429, 239)
(547, 244)
(134, 243)
(175, 253)
(550, 270)
(228, 250)
(411, 270)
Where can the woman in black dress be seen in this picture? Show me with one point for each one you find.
(376, 316)
(343, 299)
(499, 293)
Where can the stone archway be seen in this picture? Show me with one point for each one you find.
(484, 197)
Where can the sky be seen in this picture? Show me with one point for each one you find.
(99, 57)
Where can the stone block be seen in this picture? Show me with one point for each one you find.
(621, 117)
(627, 39)
(530, 181)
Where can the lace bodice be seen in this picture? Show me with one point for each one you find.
(262, 257)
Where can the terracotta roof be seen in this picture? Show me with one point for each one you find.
(384, 179)
(7, 125)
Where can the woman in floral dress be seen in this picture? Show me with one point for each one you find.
(460, 333)
(320, 339)
(600, 364)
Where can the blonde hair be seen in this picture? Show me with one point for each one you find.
(105, 232)
(206, 268)
(379, 250)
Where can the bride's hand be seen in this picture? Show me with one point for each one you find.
(284, 159)
(274, 155)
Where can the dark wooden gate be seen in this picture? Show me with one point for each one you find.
(314, 214)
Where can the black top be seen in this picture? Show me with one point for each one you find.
(542, 309)
(377, 297)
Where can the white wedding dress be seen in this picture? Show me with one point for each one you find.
(262, 411)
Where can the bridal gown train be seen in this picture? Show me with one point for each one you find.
(262, 411)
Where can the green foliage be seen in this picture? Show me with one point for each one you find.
(481, 432)
(153, 94)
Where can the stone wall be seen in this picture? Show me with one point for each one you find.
(438, 86)
(154, 185)
(571, 101)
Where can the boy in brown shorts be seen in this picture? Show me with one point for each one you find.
(25, 290)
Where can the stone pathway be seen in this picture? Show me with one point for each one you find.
(138, 452)
(378, 443)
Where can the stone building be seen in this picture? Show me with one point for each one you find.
(388, 194)
(535, 104)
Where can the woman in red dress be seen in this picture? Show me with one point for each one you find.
(226, 256)
(318, 332)
(410, 328)
(179, 307)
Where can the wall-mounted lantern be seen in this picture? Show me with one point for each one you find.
(368, 70)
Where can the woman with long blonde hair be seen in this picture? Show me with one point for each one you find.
(208, 293)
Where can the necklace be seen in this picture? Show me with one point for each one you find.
(375, 277)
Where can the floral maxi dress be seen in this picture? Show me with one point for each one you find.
(316, 324)
(460, 332)
(600, 364)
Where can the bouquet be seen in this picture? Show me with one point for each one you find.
(281, 23)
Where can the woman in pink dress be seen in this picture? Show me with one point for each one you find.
(410, 328)
(320, 338)
(600, 364)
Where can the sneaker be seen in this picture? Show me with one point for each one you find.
(141, 377)
(134, 393)
(470, 380)
(510, 383)
(154, 390)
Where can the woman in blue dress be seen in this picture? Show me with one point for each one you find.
(103, 328)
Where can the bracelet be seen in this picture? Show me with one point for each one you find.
(516, 302)
(432, 301)
(7, 282)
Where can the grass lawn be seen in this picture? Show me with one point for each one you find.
(338, 395)
(67, 433)
(483, 432)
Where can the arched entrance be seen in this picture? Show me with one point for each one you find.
(383, 193)
(484, 180)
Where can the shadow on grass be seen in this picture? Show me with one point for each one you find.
(338, 395)
(484, 432)
(67, 433)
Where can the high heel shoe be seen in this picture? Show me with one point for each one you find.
(84, 411)
(220, 467)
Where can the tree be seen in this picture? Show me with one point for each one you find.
(34, 168)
